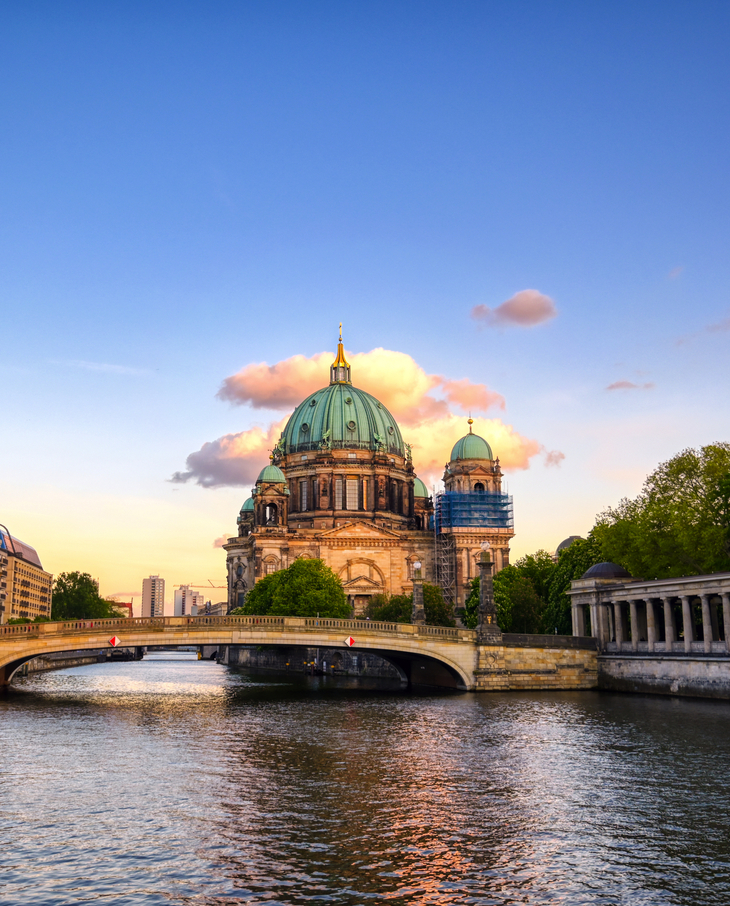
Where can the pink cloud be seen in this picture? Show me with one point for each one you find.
(675, 272)
(280, 386)
(423, 405)
(394, 378)
(219, 542)
(630, 385)
(721, 326)
(525, 309)
(233, 460)
(553, 457)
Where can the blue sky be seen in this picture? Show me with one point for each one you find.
(189, 188)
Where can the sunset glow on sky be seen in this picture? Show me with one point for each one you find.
(519, 211)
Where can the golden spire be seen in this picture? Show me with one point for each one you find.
(340, 368)
(470, 422)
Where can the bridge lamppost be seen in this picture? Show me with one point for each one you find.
(488, 631)
(418, 614)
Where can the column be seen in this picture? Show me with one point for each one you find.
(619, 623)
(689, 634)
(488, 631)
(634, 625)
(668, 625)
(715, 619)
(706, 623)
(650, 624)
(418, 614)
(579, 620)
(726, 619)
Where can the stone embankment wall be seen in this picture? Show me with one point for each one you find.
(66, 659)
(525, 662)
(703, 677)
(298, 660)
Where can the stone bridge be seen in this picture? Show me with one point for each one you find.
(432, 655)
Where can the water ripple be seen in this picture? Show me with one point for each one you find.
(175, 781)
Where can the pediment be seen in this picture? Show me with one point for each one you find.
(360, 530)
(273, 490)
(364, 582)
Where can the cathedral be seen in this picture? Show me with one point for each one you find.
(341, 485)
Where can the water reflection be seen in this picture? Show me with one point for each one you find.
(173, 780)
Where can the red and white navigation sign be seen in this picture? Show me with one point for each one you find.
(114, 641)
(349, 641)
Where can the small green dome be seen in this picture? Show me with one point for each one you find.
(247, 506)
(419, 488)
(471, 446)
(271, 473)
(342, 417)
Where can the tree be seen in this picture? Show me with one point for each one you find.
(438, 613)
(76, 597)
(399, 608)
(307, 588)
(680, 523)
(390, 608)
(260, 598)
(572, 563)
(520, 595)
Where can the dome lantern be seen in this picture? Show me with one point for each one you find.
(340, 372)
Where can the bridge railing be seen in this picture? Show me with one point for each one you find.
(159, 624)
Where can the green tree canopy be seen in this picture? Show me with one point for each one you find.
(307, 588)
(399, 608)
(680, 523)
(390, 608)
(520, 595)
(572, 562)
(76, 597)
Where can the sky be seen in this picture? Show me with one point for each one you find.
(518, 210)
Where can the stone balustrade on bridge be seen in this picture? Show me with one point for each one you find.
(435, 655)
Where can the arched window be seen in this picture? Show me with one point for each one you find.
(271, 514)
(479, 486)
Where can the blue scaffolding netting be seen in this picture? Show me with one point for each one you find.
(475, 509)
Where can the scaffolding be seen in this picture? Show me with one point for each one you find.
(475, 509)
(446, 567)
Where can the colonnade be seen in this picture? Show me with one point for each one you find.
(660, 623)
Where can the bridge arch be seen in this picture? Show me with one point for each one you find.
(445, 655)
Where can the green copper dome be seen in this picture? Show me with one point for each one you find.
(419, 488)
(247, 506)
(341, 417)
(471, 446)
(271, 473)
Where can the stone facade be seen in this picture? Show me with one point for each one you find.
(341, 486)
(667, 636)
(25, 587)
(540, 662)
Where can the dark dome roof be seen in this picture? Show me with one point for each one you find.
(567, 543)
(606, 571)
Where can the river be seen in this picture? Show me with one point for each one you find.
(177, 781)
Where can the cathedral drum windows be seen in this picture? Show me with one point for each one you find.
(353, 493)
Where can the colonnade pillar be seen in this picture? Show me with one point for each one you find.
(689, 633)
(706, 623)
(726, 619)
(634, 624)
(669, 630)
(579, 619)
(650, 624)
(618, 624)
